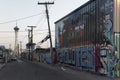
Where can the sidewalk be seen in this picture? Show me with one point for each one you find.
(87, 73)
(76, 72)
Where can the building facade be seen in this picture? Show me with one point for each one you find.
(89, 37)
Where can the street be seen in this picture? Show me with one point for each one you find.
(20, 70)
(25, 70)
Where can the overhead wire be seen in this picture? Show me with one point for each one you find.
(23, 31)
(6, 22)
(40, 20)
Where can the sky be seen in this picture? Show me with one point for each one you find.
(23, 13)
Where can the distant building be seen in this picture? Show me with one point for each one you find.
(43, 55)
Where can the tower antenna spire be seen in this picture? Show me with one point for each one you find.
(16, 29)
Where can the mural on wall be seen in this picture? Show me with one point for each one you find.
(59, 56)
(90, 24)
(78, 29)
(103, 61)
(97, 58)
(78, 57)
(75, 29)
(105, 37)
(87, 58)
(109, 32)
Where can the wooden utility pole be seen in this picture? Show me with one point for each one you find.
(47, 15)
(20, 47)
(31, 44)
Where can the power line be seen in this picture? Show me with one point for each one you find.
(24, 31)
(21, 18)
(40, 20)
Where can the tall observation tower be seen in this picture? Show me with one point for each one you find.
(16, 40)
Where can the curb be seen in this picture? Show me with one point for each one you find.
(90, 72)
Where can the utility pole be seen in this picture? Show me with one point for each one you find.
(20, 47)
(31, 44)
(28, 35)
(18, 50)
(47, 15)
(28, 44)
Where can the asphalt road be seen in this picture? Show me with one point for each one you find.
(22, 70)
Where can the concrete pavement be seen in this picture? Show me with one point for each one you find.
(21, 70)
(89, 74)
(70, 70)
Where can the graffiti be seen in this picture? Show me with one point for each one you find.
(78, 30)
(97, 59)
(78, 57)
(87, 59)
(103, 61)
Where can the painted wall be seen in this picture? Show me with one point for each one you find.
(87, 58)
(75, 29)
(78, 29)
(80, 57)
(90, 24)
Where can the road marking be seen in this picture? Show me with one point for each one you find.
(63, 68)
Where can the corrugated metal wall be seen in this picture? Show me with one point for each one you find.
(93, 24)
